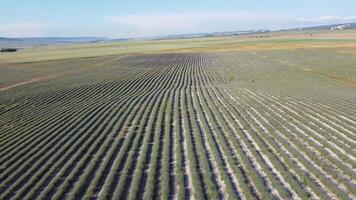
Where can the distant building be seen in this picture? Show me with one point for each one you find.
(341, 27)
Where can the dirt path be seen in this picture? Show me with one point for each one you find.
(34, 80)
(44, 78)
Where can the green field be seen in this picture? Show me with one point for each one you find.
(204, 118)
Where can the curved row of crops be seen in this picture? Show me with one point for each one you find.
(176, 126)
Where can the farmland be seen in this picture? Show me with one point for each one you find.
(214, 118)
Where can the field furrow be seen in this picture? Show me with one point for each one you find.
(223, 125)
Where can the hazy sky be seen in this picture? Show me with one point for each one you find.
(120, 19)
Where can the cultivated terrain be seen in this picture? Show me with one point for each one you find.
(239, 117)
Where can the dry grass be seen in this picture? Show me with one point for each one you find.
(274, 41)
(270, 45)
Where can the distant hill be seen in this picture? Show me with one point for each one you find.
(38, 41)
(322, 27)
(213, 34)
(247, 32)
(33, 42)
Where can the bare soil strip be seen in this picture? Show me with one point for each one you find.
(34, 80)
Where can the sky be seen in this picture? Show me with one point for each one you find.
(134, 18)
